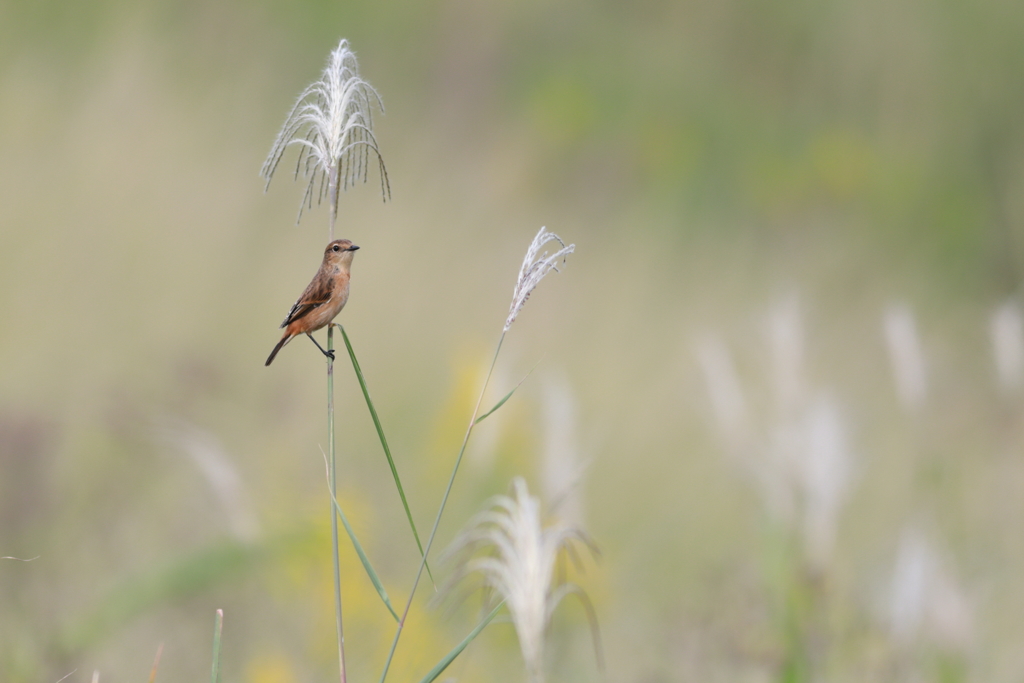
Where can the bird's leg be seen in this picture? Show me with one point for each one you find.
(329, 354)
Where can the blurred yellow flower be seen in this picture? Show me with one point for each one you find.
(269, 668)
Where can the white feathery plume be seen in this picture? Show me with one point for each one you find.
(1007, 330)
(925, 600)
(521, 566)
(787, 456)
(825, 473)
(764, 457)
(786, 338)
(799, 457)
(726, 391)
(534, 269)
(213, 462)
(908, 362)
(332, 124)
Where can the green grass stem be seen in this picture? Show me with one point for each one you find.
(440, 510)
(332, 475)
(218, 626)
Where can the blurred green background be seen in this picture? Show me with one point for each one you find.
(785, 355)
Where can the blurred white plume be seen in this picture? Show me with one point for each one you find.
(796, 450)
(562, 467)
(209, 456)
(1007, 330)
(908, 363)
(924, 599)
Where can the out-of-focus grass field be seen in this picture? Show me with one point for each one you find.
(754, 189)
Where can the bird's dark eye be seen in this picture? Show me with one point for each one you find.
(337, 248)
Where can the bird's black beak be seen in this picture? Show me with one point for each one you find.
(353, 248)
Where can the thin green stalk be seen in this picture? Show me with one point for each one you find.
(218, 626)
(334, 496)
(332, 216)
(440, 511)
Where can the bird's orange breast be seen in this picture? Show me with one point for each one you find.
(323, 314)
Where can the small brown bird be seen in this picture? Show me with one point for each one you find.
(323, 299)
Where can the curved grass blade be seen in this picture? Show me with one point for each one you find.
(505, 398)
(383, 441)
(497, 405)
(365, 560)
(595, 627)
(450, 657)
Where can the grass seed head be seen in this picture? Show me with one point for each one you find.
(535, 266)
(332, 124)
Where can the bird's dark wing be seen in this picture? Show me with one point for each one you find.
(317, 294)
(301, 309)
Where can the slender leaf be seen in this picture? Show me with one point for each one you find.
(218, 625)
(365, 560)
(497, 405)
(506, 397)
(450, 657)
(383, 442)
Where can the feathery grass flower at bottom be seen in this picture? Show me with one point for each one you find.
(507, 547)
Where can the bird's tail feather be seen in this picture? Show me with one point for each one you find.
(280, 345)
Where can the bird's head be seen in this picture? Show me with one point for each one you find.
(340, 252)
